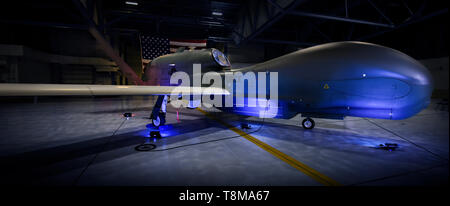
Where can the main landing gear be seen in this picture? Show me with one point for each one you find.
(308, 123)
(158, 115)
(158, 118)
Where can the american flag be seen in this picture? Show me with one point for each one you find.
(154, 46)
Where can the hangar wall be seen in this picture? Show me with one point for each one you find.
(63, 56)
(73, 57)
(440, 72)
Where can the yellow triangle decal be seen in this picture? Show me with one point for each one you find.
(326, 86)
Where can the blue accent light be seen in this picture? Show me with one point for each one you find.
(165, 131)
(144, 133)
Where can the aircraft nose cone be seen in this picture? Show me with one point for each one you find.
(405, 66)
(419, 79)
(420, 73)
(421, 76)
(415, 83)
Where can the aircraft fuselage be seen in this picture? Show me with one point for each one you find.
(335, 80)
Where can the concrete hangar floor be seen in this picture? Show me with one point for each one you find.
(87, 141)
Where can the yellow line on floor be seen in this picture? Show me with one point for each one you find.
(319, 177)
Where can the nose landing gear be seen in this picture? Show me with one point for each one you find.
(308, 123)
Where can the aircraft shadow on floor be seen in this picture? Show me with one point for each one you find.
(25, 167)
(30, 166)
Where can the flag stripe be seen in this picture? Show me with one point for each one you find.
(187, 44)
(190, 40)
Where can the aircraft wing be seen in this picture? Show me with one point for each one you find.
(98, 90)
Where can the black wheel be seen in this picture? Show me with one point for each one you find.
(156, 121)
(159, 120)
(308, 123)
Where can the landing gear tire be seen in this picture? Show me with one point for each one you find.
(308, 123)
(156, 121)
(159, 120)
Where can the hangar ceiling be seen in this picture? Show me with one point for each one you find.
(401, 24)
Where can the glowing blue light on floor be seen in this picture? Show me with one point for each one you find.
(144, 133)
(168, 131)
(165, 130)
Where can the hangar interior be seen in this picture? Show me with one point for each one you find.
(87, 140)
